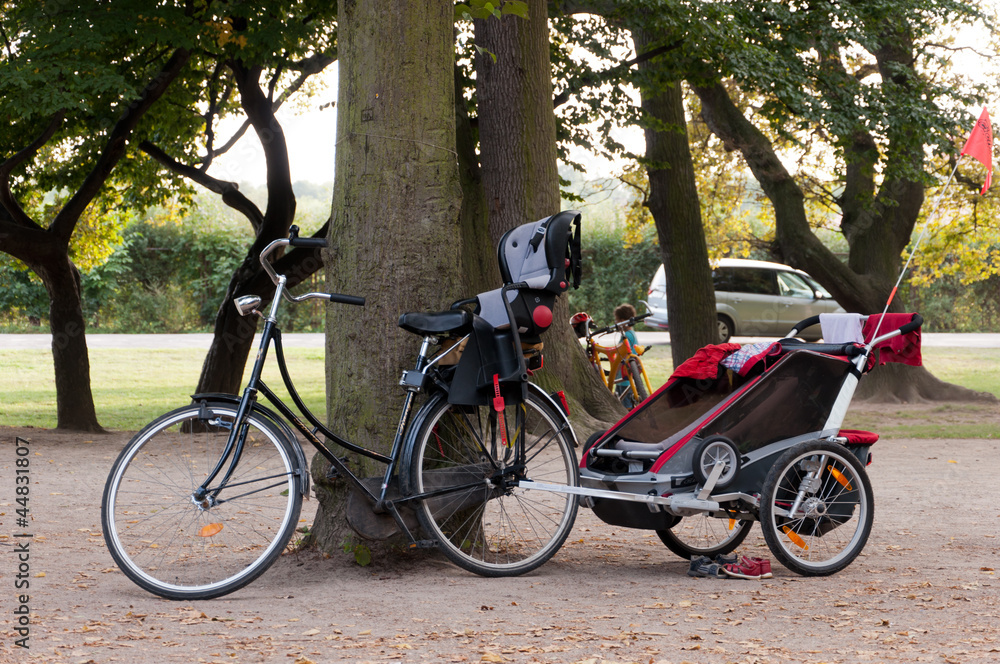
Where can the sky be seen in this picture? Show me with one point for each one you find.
(310, 133)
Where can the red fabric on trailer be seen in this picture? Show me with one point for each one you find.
(858, 437)
(904, 349)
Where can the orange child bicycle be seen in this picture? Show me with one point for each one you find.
(619, 365)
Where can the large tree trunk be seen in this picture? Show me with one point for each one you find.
(224, 363)
(71, 360)
(673, 202)
(519, 170)
(395, 229)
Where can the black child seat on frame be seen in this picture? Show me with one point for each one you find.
(545, 256)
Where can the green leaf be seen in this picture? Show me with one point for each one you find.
(362, 555)
(515, 7)
(486, 51)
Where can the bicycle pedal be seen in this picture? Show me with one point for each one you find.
(424, 544)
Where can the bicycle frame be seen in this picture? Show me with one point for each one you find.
(413, 381)
(617, 357)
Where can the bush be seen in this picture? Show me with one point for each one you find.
(614, 272)
(948, 305)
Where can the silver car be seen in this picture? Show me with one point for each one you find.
(753, 299)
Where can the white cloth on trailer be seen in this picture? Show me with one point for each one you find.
(841, 328)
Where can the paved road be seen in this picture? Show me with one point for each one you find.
(202, 341)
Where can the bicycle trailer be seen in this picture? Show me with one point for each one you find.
(752, 433)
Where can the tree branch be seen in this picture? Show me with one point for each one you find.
(6, 42)
(229, 191)
(7, 200)
(260, 112)
(114, 149)
(798, 244)
(309, 67)
(597, 77)
(945, 47)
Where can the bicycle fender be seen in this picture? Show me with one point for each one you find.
(556, 408)
(406, 454)
(278, 421)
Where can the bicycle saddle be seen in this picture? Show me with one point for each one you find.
(442, 322)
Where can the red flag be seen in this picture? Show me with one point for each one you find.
(980, 146)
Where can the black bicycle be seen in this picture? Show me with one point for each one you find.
(206, 497)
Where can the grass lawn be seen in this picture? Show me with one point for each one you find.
(132, 387)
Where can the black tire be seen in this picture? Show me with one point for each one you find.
(705, 535)
(836, 514)
(640, 384)
(182, 550)
(712, 450)
(725, 325)
(491, 527)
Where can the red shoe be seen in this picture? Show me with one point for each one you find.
(749, 568)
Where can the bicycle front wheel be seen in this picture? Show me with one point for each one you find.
(638, 380)
(481, 519)
(178, 547)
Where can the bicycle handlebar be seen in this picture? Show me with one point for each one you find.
(296, 241)
(623, 324)
(279, 279)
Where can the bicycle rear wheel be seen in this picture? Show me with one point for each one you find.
(179, 548)
(482, 521)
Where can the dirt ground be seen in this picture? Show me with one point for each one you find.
(924, 590)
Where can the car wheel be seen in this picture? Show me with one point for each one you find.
(725, 329)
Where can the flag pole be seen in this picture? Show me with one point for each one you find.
(923, 232)
(979, 146)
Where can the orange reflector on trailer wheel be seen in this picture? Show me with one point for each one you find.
(210, 530)
(796, 540)
(839, 476)
(732, 523)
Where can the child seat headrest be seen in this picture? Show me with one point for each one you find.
(545, 254)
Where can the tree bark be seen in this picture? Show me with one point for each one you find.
(74, 399)
(395, 228)
(674, 204)
(519, 171)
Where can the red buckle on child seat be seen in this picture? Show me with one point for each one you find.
(498, 406)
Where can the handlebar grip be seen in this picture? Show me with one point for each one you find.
(347, 299)
(645, 315)
(806, 323)
(296, 241)
(518, 286)
(316, 242)
(917, 321)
